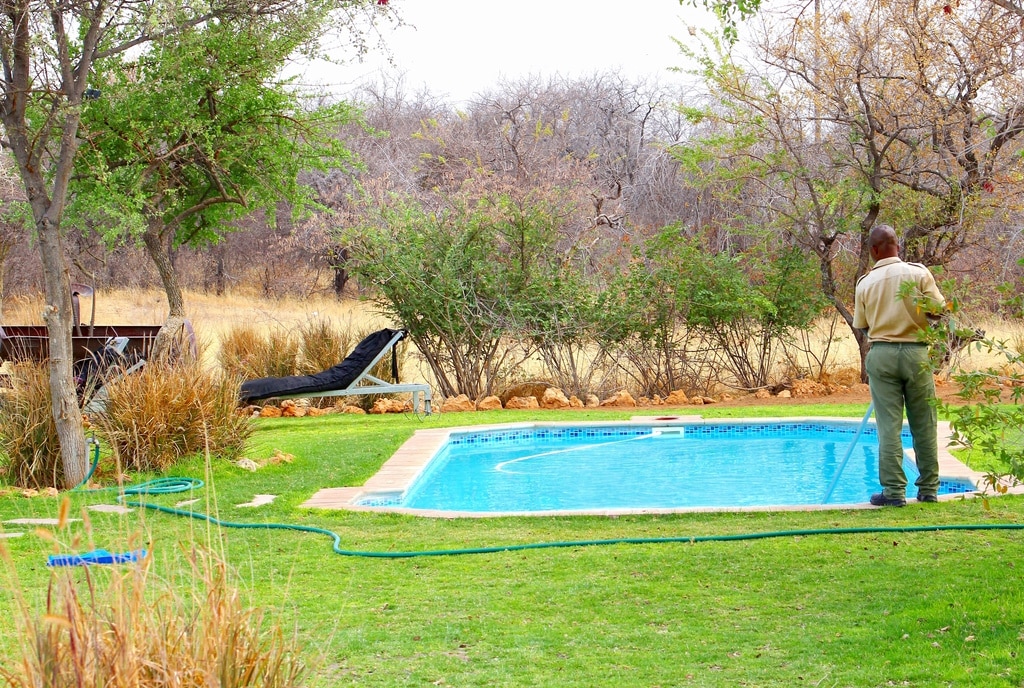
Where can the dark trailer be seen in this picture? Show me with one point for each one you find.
(31, 342)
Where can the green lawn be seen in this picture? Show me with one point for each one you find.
(879, 609)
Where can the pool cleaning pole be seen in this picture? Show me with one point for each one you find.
(849, 451)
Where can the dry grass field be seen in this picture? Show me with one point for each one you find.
(213, 316)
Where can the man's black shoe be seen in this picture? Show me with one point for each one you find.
(879, 499)
(927, 498)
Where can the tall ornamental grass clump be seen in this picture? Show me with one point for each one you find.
(129, 627)
(322, 345)
(248, 352)
(163, 413)
(29, 449)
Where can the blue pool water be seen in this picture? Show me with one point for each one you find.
(540, 469)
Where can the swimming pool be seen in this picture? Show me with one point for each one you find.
(646, 465)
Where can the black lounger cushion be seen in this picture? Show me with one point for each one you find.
(334, 378)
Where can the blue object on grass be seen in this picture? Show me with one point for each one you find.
(97, 556)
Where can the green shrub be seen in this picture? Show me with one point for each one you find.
(137, 629)
(29, 448)
(748, 304)
(248, 352)
(560, 322)
(990, 416)
(644, 325)
(455, 278)
(163, 413)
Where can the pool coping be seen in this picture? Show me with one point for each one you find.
(399, 472)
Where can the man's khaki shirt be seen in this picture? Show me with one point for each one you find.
(879, 308)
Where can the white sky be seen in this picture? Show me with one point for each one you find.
(458, 48)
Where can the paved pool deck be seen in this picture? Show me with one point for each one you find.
(400, 471)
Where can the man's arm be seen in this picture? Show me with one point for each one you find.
(934, 303)
(860, 321)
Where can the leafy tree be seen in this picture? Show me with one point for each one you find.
(728, 11)
(199, 131)
(463, 278)
(841, 125)
(49, 52)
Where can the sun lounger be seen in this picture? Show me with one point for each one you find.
(351, 377)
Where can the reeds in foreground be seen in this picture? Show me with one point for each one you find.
(105, 628)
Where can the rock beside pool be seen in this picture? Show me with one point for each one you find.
(457, 404)
(385, 405)
(591, 401)
(554, 398)
(810, 388)
(526, 389)
(622, 399)
(491, 403)
(677, 398)
(522, 403)
(784, 394)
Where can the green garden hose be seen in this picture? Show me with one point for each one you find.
(574, 543)
(174, 485)
(157, 486)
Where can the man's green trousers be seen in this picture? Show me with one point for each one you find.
(900, 376)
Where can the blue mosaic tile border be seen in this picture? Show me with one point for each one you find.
(377, 500)
(390, 498)
(529, 435)
(955, 486)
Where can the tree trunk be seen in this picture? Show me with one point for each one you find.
(339, 282)
(168, 342)
(154, 247)
(67, 415)
(46, 211)
(339, 264)
(220, 278)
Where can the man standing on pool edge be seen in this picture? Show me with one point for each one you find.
(899, 372)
